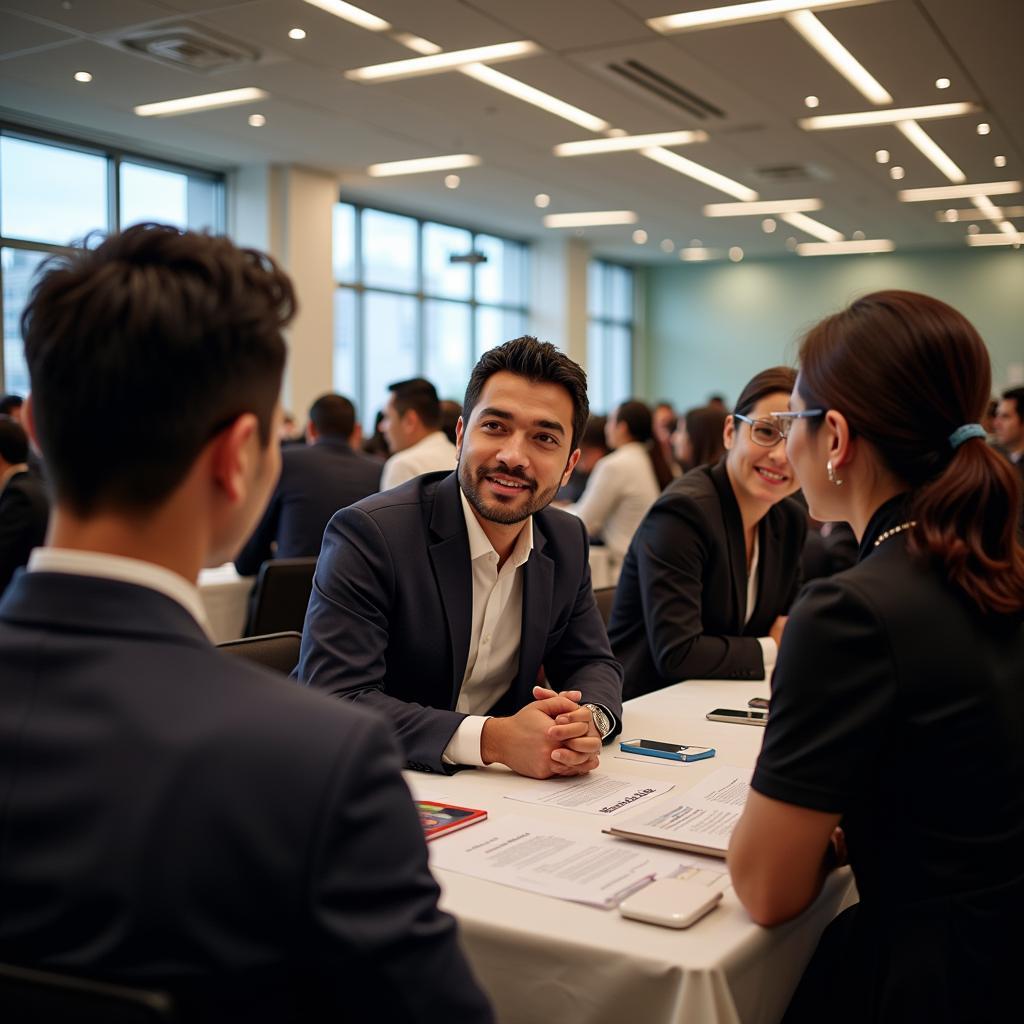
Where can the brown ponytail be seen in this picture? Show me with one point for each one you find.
(906, 370)
(638, 419)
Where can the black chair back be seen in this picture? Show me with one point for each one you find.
(605, 598)
(279, 651)
(31, 996)
(280, 596)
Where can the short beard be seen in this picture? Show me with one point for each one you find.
(500, 514)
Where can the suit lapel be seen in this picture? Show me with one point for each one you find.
(736, 545)
(538, 588)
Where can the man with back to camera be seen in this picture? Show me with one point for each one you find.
(412, 426)
(317, 478)
(174, 817)
(24, 506)
(438, 602)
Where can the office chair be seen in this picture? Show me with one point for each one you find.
(279, 651)
(280, 596)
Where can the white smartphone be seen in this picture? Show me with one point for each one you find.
(671, 902)
(738, 716)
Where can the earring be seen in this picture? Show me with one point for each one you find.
(832, 478)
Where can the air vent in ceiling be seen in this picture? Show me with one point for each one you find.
(792, 173)
(185, 46)
(659, 85)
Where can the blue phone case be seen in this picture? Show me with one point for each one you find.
(669, 755)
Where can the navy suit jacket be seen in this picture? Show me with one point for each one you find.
(175, 817)
(389, 618)
(24, 514)
(316, 480)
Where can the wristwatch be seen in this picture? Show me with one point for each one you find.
(602, 722)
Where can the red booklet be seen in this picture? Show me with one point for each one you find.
(439, 819)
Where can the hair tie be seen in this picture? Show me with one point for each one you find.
(965, 433)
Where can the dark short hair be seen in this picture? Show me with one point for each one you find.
(419, 395)
(450, 413)
(593, 435)
(767, 382)
(144, 348)
(1015, 395)
(333, 415)
(539, 362)
(9, 402)
(13, 441)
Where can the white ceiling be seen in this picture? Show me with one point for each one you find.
(756, 74)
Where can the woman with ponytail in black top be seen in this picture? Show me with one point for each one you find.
(898, 699)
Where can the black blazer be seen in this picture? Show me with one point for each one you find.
(178, 818)
(316, 480)
(682, 594)
(24, 514)
(391, 610)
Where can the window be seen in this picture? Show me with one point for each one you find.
(53, 193)
(418, 298)
(609, 335)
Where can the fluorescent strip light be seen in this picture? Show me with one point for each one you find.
(845, 248)
(740, 14)
(625, 142)
(1007, 239)
(700, 173)
(206, 101)
(812, 227)
(1006, 227)
(431, 65)
(912, 131)
(928, 195)
(864, 118)
(968, 215)
(355, 15)
(988, 208)
(760, 209)
(423, 165)
(695, 255)
(600, 218)
(838, 56)
(417, 43)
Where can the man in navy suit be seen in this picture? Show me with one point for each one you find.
(440, 602)
(173, 817)
(316, 480)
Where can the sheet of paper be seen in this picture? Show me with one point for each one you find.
(594, 793)
(576, 864)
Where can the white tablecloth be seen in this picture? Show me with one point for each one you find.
(547, 960)
(225, 597)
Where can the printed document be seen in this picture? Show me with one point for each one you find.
(593, 794)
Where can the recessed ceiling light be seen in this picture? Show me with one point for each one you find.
(640, 236)
(597, 218)
(204, 101)
(695, 243)
(925, 144)
(991, 188)
(83, 76)
(973, 229)
(760, 209)
(296, 33)
(984, 128)
(999, 161)
(739, 14)
(700, 173)
(353, 14)
(257, 120)
(735, 254)
(897, 173)
(791, 243)
(858, 235)
(623, 142)
(542, 200)
(882, 156)
(811, 101)
(452, 181)
(942, 83)
(768, 226)
(444, 61)
(845, 248)
(862, 118)
(813, 227)
(667, 245)
(422, 165)
(951, 216)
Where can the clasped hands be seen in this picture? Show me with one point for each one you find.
(553, 735)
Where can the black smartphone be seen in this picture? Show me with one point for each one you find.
(758, 702)
(738, 716)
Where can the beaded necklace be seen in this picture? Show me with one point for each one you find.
(894, 530)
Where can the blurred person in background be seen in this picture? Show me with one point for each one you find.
(377, 444)
(664, 422)
(450, 413)
(24, 505)
(412, 425)
(593, 446)
(698, 439)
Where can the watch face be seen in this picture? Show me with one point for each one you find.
(601, 721)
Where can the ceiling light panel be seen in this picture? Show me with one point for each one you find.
(812, 227)
(438, 62)
(593, 219)
(863, 118)
(863, 245)
(741, 14)
(423, 165)
(1001, 239)
(204, 101)
(991, 188)
(955, 216)
(621, 143)
(700, 173)
(914, 133)
(351, 13)
(815, 33)
(762, 208)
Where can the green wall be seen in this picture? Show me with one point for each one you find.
(710, 327)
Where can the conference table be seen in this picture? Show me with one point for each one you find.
(547, 959)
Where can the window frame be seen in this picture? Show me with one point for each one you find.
(605, 319)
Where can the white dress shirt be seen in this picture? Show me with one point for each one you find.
(494, 636)
(769, 648)
(127, 570)
(621, 488)
(431, 453)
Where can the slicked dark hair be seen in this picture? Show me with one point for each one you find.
(539, 362)
(333, 415)
(419, 395)
(143, 349)
(1015, 395)
(9, 403)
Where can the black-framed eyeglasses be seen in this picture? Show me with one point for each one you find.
(784, 420)
(768, 433)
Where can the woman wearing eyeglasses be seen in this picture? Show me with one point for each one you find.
(898, 699)
(714, 566)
